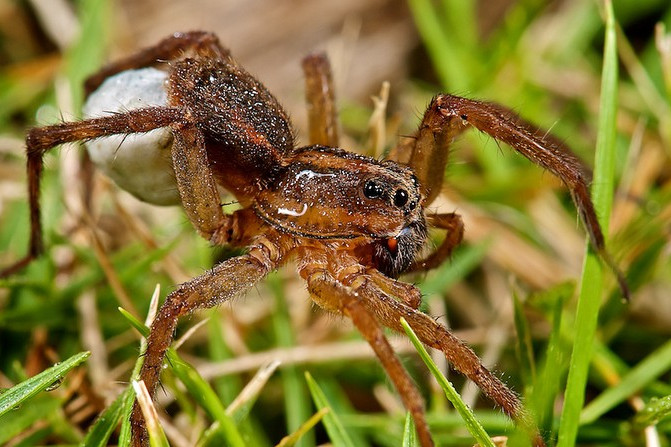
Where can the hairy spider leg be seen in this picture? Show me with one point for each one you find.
(427, 152)
(320, 99)
(388, 310)
(449, 115)
(335, 296)
(225, 281)
(40, 140)
(196, 184)
(201, 43)
(407, 293)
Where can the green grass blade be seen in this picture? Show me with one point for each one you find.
(461, 17)
(524, 344)
(653, 366)
(604, 162)
(548, 384)
(443, 51)
(127, 408)
(104, 426)
(340, 404)
(197, 387)
(134, 322)
(129, 397)
(25, 390)
(297, 403)
(227, 387)
(654, 411)
(292, 439)
(591, 287)
(409, 432)
(334, 426)
(87, 54)
(206, 397)
(472, 424)
(16, 422)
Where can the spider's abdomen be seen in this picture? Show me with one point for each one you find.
(140, 163)
(247, 132)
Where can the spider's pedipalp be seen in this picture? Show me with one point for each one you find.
(454, 228)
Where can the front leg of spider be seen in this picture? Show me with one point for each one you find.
(341, 285)
(447, 116)
(341, 296)
(389, 311)
(227, 280)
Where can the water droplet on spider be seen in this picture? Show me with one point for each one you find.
(54, 385)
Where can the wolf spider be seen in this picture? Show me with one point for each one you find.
(352, 223)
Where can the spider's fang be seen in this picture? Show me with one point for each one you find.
(392, 244)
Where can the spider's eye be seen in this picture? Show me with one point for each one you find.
(372, 190)
(401, 197)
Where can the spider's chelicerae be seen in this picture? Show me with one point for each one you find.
(353, 224)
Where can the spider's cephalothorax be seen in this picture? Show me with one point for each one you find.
(352, 223)
(329, 194)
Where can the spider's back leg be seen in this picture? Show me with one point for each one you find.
(201, 43)
(320, 98)
(40, 139)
